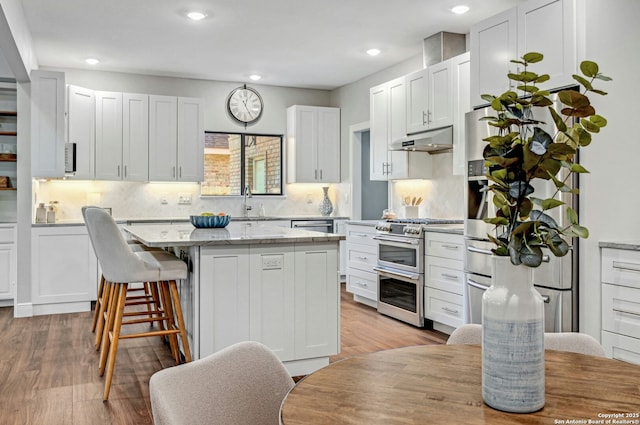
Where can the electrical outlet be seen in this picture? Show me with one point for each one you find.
(184, 199)
(272, 262)
(309, 199)
(163, 199)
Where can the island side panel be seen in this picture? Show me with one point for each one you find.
(317, 300)
(271, 305)
(224, 297)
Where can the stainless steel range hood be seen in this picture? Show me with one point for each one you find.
(432, 141)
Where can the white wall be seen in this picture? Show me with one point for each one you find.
(609, 201)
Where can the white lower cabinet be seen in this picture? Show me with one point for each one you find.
(362, 257)
(621, 304)
(283, 295)
(64, 270)
(444, 278)
(8, 262)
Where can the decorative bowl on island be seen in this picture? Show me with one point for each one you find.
(210, 221)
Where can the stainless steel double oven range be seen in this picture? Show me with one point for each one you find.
(400, 268)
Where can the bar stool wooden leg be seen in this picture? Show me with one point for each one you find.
(115, 337)
(108, 326)
(178, 315)
(169, 317)
(107, 294)
(96, 313)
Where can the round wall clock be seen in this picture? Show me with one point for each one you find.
(244, 104)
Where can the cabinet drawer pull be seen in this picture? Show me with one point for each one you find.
(450, 246)
(359, 257)
(449, 276)
(360, 235)
(626, 266)
(450, 310)
(620, 310)
(118, 171)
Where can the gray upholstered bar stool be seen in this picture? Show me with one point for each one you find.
(120, 266)
(148, 297)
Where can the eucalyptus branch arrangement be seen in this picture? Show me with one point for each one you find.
(523, 151)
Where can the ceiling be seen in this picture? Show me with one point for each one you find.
(296, 43)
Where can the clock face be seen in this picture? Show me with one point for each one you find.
(245, 105)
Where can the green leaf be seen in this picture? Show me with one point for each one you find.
(585, 83)
(574, 167)
(598, 120)
(557, 119)
(498, 221)
(573, 99)
(572, 215)
(528, 89)
(524, 76)
(589, 68)
(584, 137)
(542, 78)
(550, 203)
(603, 77)
(532, 57)
(488, 97)
(589, 126)
(580, 231)
(600, 92)
(581, 112)
(496, 104)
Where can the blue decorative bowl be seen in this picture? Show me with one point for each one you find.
(208, 221)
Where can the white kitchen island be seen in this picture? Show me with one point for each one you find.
(254, 281)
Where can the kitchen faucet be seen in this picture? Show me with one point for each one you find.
(247, 194)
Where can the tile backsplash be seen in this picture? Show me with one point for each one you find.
(154, 200)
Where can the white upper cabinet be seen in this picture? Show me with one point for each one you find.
(163, 137)
(135, 137)
(122, 136)
(47, 123)
(493, 45)
(388, 122)
(190, 157)
(313, 144)
(109, 135)
(81, 129)
(544, 26)
(176, 139)
(461, 76)
(549, 27)
(429, 103)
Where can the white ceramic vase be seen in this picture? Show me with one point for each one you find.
(512, 340)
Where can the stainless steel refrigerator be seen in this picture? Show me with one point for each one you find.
(556, 278)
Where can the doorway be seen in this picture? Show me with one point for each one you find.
(369, 197)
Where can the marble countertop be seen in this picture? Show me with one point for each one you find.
(182, 219)
(236, 233)
(628, 245)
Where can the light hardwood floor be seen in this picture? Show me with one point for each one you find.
(49, 369)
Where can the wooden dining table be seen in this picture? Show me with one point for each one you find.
(441, 384)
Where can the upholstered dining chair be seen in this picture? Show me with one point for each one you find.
(121, 266)
(562, 341)
(239, 385)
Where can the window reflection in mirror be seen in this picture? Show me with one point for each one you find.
(233, 160)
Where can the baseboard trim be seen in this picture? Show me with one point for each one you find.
(61, 308)
(23, 310)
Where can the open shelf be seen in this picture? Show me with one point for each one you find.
(8, 113)
(8, 133)
(8, 188)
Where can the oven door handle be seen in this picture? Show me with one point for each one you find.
(476, 285)
(412, 276)
(472, 248)
(405, 242)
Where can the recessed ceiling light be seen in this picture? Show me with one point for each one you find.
(373, 52)
(255, 77)
(92, 61)
(459, 10)
(196, 16)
